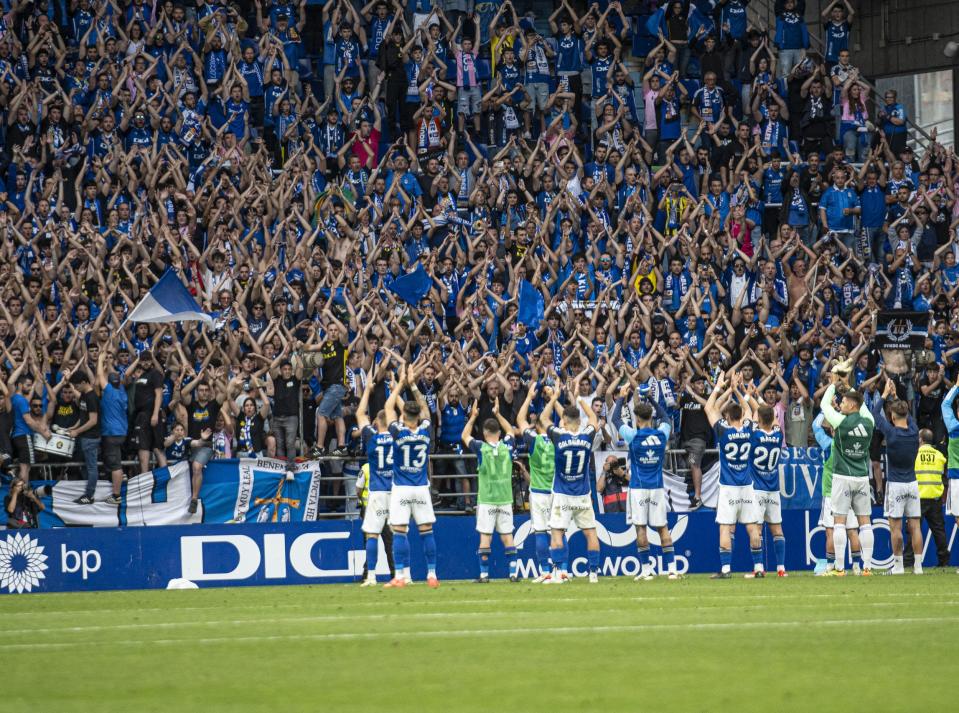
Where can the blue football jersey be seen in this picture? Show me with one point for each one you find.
(735, 445)
(379, 454)
(572, 453)
(647, 450)
(765, 458)
(411, 453)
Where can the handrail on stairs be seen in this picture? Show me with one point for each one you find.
(768, 19)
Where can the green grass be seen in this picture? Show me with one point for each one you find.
(799, 644)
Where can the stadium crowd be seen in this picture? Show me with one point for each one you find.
(687, 194)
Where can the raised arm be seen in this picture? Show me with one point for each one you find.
(833, 417)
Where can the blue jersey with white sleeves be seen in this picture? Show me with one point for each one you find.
(379, 454)
(735, 445)
(647, 451)
(765, 451)
(572, 453)
(411, 453)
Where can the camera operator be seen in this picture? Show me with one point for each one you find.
(22, 506)
(613, 484)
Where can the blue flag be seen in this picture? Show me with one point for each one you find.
(656, 22)
(700, 25)
(168, 301)
(532, 307)
(412, 287)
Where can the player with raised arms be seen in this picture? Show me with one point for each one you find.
(494, 472)
(571, 502)
(734, 430)
(902, 488)
(410, 495)
(646, 505)
(852, 426)
(542, 466)
(765, 450)
(378, 446)
(826, 522)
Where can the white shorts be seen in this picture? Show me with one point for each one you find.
(377, 512)
(539, 510)
(494, 518)
(646, 506)
(902, 500)
(571, 508)
(952, 498)
(736, 505)
(851, 495)
(826, 519)
(411, 500)
(768, 507)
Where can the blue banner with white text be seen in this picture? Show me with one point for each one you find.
(269, 553)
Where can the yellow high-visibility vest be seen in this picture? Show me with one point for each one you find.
(365, 494)
(929, 466)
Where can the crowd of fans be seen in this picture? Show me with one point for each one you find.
(689, 193)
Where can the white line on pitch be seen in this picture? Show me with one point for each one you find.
(480, 633)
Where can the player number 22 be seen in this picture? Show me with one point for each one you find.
(737, 451)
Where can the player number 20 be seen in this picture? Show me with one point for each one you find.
(766, 458)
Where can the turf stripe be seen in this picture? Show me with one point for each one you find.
(589, 595)
(482, 633)
(539, 611)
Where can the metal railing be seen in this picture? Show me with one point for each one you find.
(338, 498)
(762, 13)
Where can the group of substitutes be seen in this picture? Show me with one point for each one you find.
(397, 443)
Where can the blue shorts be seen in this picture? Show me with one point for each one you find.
(331, 405)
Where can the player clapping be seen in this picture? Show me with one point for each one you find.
(734, 430)
(571, 502)
(410, 495)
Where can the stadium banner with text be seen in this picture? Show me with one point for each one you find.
(238, 490)
(271, 553)
(901, 329)
(800, 476)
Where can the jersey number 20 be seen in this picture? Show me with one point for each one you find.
(765, 459)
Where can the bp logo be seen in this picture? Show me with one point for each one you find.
(899, 329)
(22, 563)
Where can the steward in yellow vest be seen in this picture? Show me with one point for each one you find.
(930, 468)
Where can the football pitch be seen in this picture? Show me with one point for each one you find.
(796, 644)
